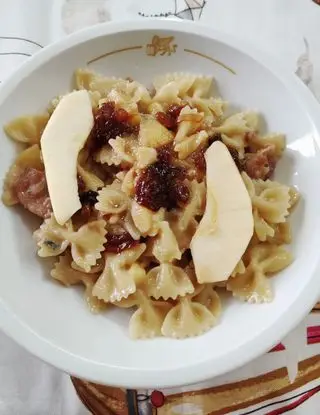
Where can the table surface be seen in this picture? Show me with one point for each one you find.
(288, 29)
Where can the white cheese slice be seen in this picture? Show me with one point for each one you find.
(64, 136)
(226, 228)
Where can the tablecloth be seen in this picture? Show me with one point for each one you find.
(288, 29)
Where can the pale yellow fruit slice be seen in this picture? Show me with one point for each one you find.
(62, 139)
(226, 228)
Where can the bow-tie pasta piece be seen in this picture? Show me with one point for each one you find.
(282, 234)
(152, 133)
(121, 275)
(168, 281)
(117, 151)
(146, 322)
(183, 234)
(90, 180)
(271, 258)
(92, 81)
(111, 201)
(166, 248)
(89, 172)
(253, 285)
(29, 158)
(130, 256)
(167, 93)
(83, 77)
(127, 181)
(180, 82)
(240, 123)
(190, 271)
(130, 227)
(276, 141)
(106, 155)
(235, 128)
(189, 121)
(98, 268)
(187, 319)
(27, 129)
(124, 149)
(195, 206)
(191, 144)
(147, 261)
(88, 243)
(118, 180)
(184, 84)
(201, 87)
(140, 94)
(273, 203)
(249, 185)
(212, 108)
(116, 283)
(210, 299)
(95, 305)
(236, 143)
(129, 95)
(262, 229)
(129, 302)
(145, 219)
(145, 156)
(52, 239)
(65, 274)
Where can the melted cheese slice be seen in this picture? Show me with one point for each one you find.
(64, 136)
(226, 228)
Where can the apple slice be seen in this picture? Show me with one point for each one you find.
(226, 227)
(64, 136)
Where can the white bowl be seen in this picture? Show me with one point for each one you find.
(52, 322)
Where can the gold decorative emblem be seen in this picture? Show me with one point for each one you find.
(161, 46)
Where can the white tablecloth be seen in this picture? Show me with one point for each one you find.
(287, 28)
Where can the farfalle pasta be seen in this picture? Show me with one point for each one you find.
(147, 321)
(86, 243)
(187, 319)
(27, 129)
(68, 276)
(120, 276)
(144, 194)
(252, 284)
(166, 247)
(168, 281)
(111, 201)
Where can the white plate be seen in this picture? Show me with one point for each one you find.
(52, 322)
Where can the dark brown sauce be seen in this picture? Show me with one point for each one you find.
(162, 184)
(169, 119)
(117, 243)
(110, 122)
(235, 156)
(88, 198)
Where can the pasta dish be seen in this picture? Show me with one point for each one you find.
(154, 199)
